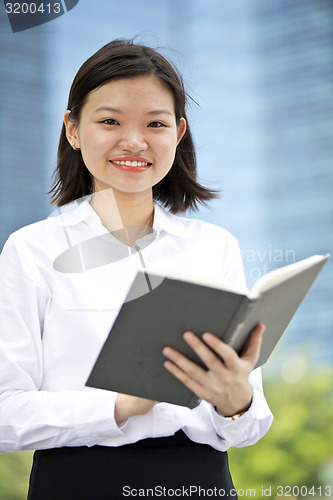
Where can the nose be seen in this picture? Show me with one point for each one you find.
(133, 141)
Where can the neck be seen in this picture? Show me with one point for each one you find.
(121, 210)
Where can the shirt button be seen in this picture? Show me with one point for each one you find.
(162, 406)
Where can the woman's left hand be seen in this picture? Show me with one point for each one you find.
(225, 384)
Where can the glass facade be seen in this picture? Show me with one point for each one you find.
(23, 100)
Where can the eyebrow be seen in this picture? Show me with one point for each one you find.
(159, 112)
(116, 110)
(107, 108)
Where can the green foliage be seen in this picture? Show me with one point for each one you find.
(14, 475)
(298, 446)
(296, 451)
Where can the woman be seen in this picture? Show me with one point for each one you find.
(125, 145)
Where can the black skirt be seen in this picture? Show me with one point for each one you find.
(166, 467)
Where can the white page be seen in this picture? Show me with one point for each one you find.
(278, 275)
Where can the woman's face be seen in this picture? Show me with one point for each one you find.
(127, 134)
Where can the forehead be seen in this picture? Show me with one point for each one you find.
(140, 91)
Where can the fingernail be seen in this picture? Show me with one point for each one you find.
(167, 352)
(208, 337)
(188, 336)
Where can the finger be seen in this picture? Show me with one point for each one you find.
(188, 367)
(185, 378)
(204, 352)
(252, 351)
(227, 353)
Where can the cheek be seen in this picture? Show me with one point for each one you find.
(94, 143)
(167, 148)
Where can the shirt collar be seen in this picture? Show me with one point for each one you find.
(74, 213)
(164, 221)
(81, 211)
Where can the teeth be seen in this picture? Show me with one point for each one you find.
(128, 163)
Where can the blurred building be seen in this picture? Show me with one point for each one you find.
(261, 73)
(23, 123)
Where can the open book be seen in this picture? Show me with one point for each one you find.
(131, 360)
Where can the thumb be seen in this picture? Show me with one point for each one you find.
(252, 350)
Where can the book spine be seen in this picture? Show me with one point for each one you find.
(237, 322)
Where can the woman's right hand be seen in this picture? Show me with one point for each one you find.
(129, 406)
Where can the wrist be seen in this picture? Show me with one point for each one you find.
(238, 414)
(121, 411)
(235, 414)
(130, 406)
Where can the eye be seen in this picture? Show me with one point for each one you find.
(156, 125)
(110, 121)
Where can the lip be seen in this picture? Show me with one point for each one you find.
(129, 168)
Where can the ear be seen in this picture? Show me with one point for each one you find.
(181, 129)
(71, 131)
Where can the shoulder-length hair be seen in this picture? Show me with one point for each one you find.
(179, 190)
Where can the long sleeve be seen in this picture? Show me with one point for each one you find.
(251, 426)
(31, 418)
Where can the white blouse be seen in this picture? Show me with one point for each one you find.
(63, 281)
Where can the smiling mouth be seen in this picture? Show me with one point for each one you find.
(127, 163)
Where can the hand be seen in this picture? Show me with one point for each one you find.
(225, 384)
(128, 406)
